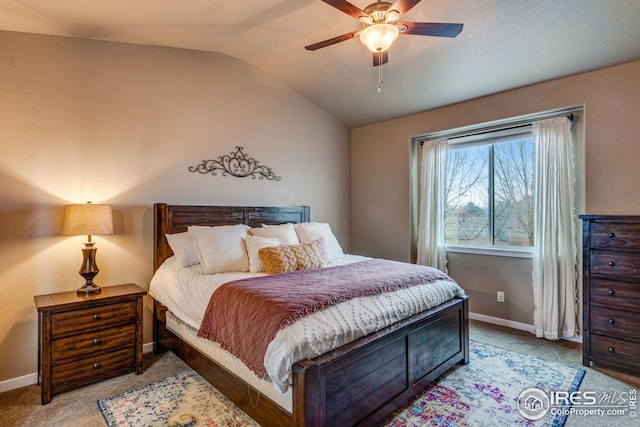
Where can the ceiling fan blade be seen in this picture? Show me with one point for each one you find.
(403, 6)
(380, 58)
(430, 29)
(346, 7)
(334, 40)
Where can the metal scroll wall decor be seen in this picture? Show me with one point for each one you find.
(236, 164)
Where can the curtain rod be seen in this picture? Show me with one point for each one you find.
(501, 124)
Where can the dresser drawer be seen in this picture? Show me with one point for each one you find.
(615, 235)
(92, 369)
(617, 264)
(615, 294)
(615, 353)
(615, 323)
(93, 342)
(95, 317)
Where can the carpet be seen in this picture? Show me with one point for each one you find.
(489, 391)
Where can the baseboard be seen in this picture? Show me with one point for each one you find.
(14, 383)
(31, 379)
(501, 322)
(511, 324)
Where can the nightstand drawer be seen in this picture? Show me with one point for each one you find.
(95, 317)
(615, 235)
(93, 342)
(615, 294)
(616, 323)
(91, 369)
(612, 352)
(618, 264)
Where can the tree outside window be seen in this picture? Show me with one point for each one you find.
(489, 193)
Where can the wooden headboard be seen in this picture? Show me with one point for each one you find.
(170, 219)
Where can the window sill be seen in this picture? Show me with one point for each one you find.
(493, 251)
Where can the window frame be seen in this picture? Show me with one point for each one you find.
(483, 127)
(489, 138)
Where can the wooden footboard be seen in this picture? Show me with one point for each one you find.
(363, 382)
(360, 383)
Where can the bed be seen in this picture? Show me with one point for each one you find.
(335, 388)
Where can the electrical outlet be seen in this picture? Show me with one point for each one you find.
(500, 296)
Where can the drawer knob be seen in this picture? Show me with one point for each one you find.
(97, 316)
(612, 292)
(611, 350)
(612, 321)
(612, 263)
(96, 365)
(612, 235)
(97, 341)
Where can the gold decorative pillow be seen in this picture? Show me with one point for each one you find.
(283, 258)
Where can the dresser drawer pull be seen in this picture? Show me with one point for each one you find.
(611, 292)
(97, 316)
(98, 341)
(612, 263)
(96, 365)
(612, 321)
(612, 235)
(611, 350)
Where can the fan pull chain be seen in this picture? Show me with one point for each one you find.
(380, 81)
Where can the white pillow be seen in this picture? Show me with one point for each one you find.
(254, 244)
(221, 248)
(310, 231)
(184, 247)
(285, 233)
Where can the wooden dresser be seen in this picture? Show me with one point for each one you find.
(611, 292)
(84, 340)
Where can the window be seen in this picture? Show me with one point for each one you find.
(489, 189)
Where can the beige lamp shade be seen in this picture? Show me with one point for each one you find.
(87, 219)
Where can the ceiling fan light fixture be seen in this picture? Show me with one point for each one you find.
(379, 37)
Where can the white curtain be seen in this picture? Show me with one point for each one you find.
(431, 202)
(555, 253)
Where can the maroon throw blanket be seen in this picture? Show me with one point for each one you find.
(245, 315)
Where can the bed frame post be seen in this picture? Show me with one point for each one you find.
(308, 391)
(160, 214)
(159, 328)
(465, 328)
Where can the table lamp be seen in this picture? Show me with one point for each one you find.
(88, 219)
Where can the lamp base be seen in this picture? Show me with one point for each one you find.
(88, 270)
(87, 290)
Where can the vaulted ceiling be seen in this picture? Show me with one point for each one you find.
(504, 44)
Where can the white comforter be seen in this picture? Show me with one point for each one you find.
(186, 293)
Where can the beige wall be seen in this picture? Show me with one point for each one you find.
(380, 161)
(120, 124)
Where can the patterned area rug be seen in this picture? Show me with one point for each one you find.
(486, 392)
(182, 400)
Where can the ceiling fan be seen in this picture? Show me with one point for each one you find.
(380, 26)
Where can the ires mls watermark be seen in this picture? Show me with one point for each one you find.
(534, 403)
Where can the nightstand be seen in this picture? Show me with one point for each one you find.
(84, 340)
